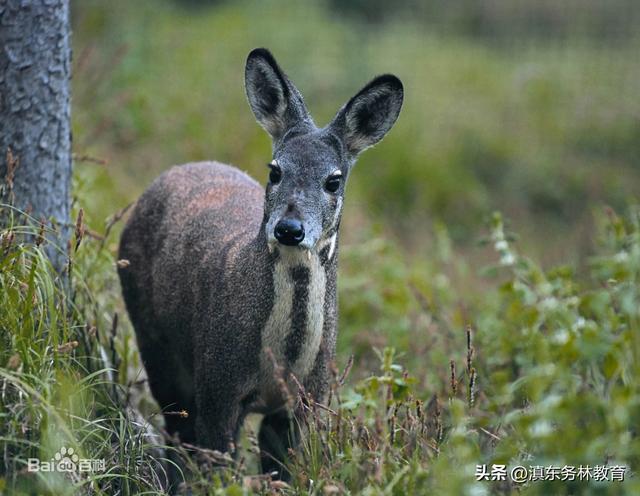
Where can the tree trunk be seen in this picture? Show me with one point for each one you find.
(35, 111)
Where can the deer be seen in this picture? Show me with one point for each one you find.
(231, 286)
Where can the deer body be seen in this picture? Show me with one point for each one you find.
(231, 288)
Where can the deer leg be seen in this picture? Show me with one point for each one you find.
(278, 432)
(218, 424)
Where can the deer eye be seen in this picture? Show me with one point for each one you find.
(333, 183)
(275, 175)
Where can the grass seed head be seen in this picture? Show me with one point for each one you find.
(454, 381)
(80, 229)
(123, 263)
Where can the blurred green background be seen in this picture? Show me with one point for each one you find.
(530, 107)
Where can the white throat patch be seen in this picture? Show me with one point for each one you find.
(279, 324)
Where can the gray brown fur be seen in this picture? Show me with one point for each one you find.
(215, 298)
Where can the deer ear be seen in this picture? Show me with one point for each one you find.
(370, 114)
(274, 100)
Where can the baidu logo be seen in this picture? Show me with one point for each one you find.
(66, 460)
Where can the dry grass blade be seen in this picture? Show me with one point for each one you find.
(123, 263)
(67, 347)
(115, 218)
(347, 369)
(180, 413)
(470, 350)
(472, 387)
(89, 159)
(41, 238)
(12, 164)
(80, 229)
(453, 380)
(278, 373)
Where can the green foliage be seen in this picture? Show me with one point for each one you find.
(562, 359)
(58, 385)
(548, 377)
(546, 374)
(537, 128)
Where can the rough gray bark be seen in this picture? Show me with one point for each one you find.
(35, 73)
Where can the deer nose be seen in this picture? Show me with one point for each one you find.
(289, 232)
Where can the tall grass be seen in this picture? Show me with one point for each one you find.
(543, 374)
(59, 358)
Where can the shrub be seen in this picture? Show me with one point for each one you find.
(545, 375)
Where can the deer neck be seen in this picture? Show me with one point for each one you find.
(294, 328)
